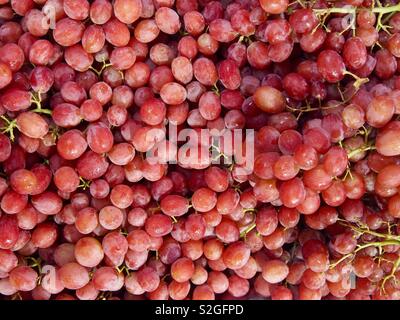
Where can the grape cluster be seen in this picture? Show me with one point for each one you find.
(89, 89)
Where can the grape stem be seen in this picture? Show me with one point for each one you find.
(9, 127)
(352, 153)
(104, 295)
(250, 210)
(38, 102)
(358, 81)
(215, 89)
(36, 263)
(123, 268)
(396, 265)
(244, 233)
(84, 184)
(362, 230)
(353, 10)
(309, 108)
(360, 247)
(99, 72)
(219, 153)
(16, 296)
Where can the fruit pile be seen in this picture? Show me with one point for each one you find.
(118, 179)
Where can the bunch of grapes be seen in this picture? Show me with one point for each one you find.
(89, 90)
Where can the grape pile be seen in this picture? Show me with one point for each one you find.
(90, 89)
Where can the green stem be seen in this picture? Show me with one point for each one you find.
(396, 265)
(359, 150)
(361, 230)
(9, 127)
(40, 110)
(353, 10)
(84, 184)
(250, 210)
(247, 230)
(358, 81)
(364, 246)
(385, 10)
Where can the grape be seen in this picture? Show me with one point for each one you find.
(48, 203)
(32, 125)
(213, 249)
(292, 193)
(274, 271)
(285, 168)
(354, 53)
(178, 291)
(23, 181)
(110, 217)
(269, 99)
(68, 32)
(182, 269)
(99, 138)
(203, 292)
(238, 287)
(236, 255)
(173, 93)
(182, 69)
(88, 252)
(227, 201)
(107, 279)
(73, 276)
(258, 55)
(23, 278)
(266, 221)
(93, 39)
(9, 260)
(91, 165)
(331, 66)
(174, 205)
(115, 246)
(167, 20)
(158, 225)
(227, 231)
(146, 30)
(88, 292)
(116, 33)
(195, 226)
(204, 199)
(309, 294)
(132, 285)
(386, 69)
(100, 11)
(275, 6)
(188, 47)
(77, 58)
(105, 105)
(44, 235)
(71, 145)
(386, 142)
(205, 71)
(229, 74)
(281, 293)
(12, 56)
(194, 22)
(311, 42)
(209, 106)
(76, 10)
(148, 279)
(386, 110)
(127, 11)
